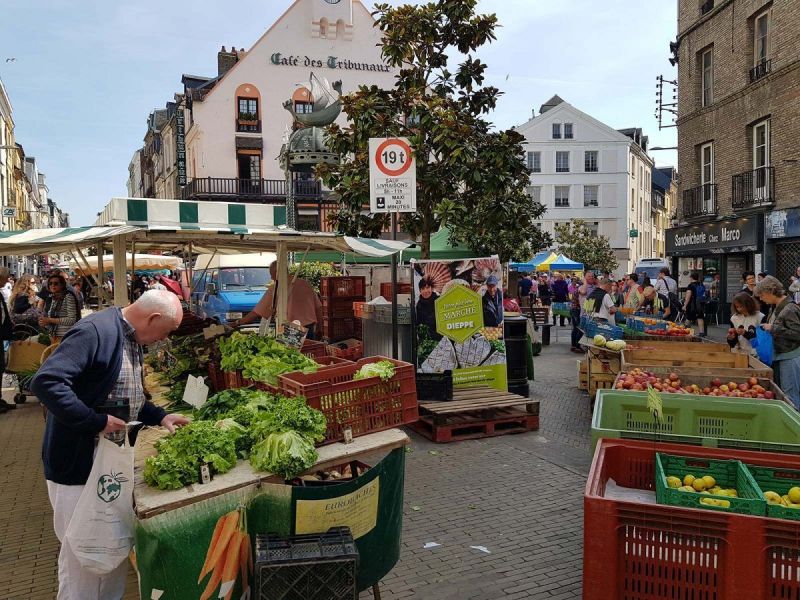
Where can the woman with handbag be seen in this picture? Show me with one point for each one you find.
(61, 311)
(22, 303)
(783, 322)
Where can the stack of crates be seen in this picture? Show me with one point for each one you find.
(338, 318)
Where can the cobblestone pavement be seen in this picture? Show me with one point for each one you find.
(519, 496)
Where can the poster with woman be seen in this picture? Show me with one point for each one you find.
(458, 320)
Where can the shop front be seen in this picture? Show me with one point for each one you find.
(783, 243)
(720, 251)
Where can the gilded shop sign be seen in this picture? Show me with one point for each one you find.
(332, 62)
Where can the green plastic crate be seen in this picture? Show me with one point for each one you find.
(714, 422)
(728, 474)
(776, 480)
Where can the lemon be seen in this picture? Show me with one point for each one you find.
(706, 492)
(772, 497)
(686, 488)
(688, 479)
(733, 493)
(699, 484)
(785, 500)
(794, 495)
(673, 482)
(710, 481)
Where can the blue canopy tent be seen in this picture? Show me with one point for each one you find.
(531, 264)
(562, 263)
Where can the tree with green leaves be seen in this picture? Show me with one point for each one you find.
(575, 240)
(470, 176)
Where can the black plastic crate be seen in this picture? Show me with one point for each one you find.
(315, 566)
(435, 386)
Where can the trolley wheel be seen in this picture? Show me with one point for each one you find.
(19, 399)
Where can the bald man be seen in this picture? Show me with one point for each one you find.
(92, 385)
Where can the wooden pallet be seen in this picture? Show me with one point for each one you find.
(477, 413)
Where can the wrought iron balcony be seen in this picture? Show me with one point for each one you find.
(249, 190)
(707, 7)
(700, 201)
(754, 189)
(760, 70)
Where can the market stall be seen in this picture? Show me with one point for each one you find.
(176, 524)
(133, 262)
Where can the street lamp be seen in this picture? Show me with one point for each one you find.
(664, 148)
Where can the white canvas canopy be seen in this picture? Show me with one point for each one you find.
(140, 262)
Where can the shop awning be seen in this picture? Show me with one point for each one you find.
(60, 239)
(532, 263)
(562, 263)
(545, 264)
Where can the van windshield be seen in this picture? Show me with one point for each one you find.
(250, 278)
(652, 272)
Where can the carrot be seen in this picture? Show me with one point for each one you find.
(212, 543)
(216, 576)
(244, 553)
(232, 561)
(228, 527)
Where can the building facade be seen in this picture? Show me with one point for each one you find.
(663, 198)
(584, 169)
(738, 107)
(221, 138)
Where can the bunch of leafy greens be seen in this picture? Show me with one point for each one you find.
(180, 455)
(291, 414)
(174, 397)
(218, 405)
(287, 453)
(261, 358)
(425, 343)
(383, 369)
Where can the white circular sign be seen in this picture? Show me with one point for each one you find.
(393, 157)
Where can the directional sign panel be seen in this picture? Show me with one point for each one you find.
(392, 176)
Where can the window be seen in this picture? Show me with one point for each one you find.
(633, 199)
(562, 162)
(535, 162)
(590, 195)
(633, 167)
(567, 131)
(248, 114)
(590, 161)
(707, 176)
(594, 228)
(761, 145)
(761, 38)
(707, 76)
(302, 108)
(535, 192)
(562, 196)
(641, 177)
(556, 131)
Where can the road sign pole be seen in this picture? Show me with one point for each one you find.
(395, 328)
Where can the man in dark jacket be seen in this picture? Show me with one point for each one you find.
(492, 304)
(97, 371)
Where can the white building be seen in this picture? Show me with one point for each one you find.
(584, 169)
(134, 185)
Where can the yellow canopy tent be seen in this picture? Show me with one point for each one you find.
(545, 264)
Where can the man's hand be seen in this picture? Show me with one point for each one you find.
(766, 326)
(173, 421)
(113, 424)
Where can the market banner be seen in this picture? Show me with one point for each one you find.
(179, 553)
(458, 320)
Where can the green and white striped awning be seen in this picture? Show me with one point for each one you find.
(60, 239)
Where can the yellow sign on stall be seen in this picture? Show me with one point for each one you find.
(357, 510)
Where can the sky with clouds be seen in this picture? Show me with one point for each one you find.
(88, 72)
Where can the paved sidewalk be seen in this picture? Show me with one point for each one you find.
(520, 496)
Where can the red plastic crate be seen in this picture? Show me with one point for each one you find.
(342, 287)
(647, 551)
(216, 378)
(314, 349)
(325, 362)
(367, 405)
(334, 330)
(352, 349)
(339, 308)
(358, 309)
(403, 287)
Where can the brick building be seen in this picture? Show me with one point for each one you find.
(738, 126)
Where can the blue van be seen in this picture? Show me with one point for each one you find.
(226, 288)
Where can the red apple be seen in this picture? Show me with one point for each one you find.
(743, 387)
(716, 382)
(769, 395)
(752, 381)
(673, 376)
(706, 390)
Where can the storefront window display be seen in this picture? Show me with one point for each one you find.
(706, 267)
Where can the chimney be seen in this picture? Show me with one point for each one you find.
(226, 60)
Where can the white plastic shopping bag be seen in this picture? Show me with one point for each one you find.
(100, 532)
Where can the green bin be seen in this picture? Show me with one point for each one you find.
(727, 473)
(777, 480)
(769, 425)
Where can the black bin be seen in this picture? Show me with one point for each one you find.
(515, 333)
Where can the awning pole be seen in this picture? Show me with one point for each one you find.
(283, 290)
(88, 271)
(395, 328)
(120, 271)
(100, 272)
(191, 270)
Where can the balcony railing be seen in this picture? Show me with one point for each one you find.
(760, 70)
(706, 7)
(248, 190)
(754, 189)
(700, 201)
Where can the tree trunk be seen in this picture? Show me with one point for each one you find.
(427, 224)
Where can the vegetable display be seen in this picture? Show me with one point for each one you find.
(277, 434)
(383, 369)
(261, 358)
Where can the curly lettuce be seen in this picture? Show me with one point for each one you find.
(287, 454)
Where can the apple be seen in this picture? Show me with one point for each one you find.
(769, 395)
(706, 390)
(733, 384)
(743, 387)
(760, 396)
(637, 387)
(716, 382)
(752, 381)
(723, 388)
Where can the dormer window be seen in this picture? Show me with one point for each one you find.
(556, 131)
(247, 118)
(567, 131)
